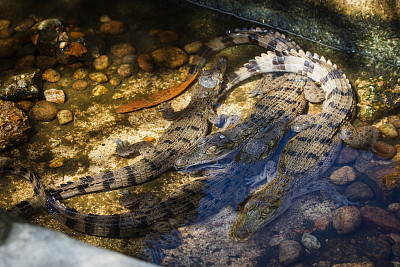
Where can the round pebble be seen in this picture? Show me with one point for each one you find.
(376, 249)
(122, 49)
(5, 33)
(43, 111)
(99, 90)
(102, 62)
(310, 242)
(25, 62)
(98, 77)
(347, 155)
(388, 130)
(146, 63)
(169, 57)
(56, 163)
(54, 95)
(105, 18)
(393, 207)
(192, 47)
(25, 105)
(24, 25)
(115, 81)
(129, 59)
(4, 24)
(289, 251)
(45, 62)
(113, 27)
(167, 36)
(395, 121)
(51, 75)
(125, 70)
(81, 73)
(380, 219)
(359, 191)
(346, 219)
(384, 150)
(343, 176)
(79, 85)
(64, 116)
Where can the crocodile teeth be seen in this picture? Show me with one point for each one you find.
(294, 52)
(344, 76)
(334, 66)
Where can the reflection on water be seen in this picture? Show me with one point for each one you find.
(86, 144)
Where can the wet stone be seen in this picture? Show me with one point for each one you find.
(192, 47)
(56, 163)
(81, 73)
(4, 23)
(64, 116)
(125, 70)
(289, 251)
(51, 75)
(310, 242)
(129, 59)
(122, 49)
(7, 32)
(169, 57)
(43, 111)
(359, 191)
(115, 81)
(167, 36)
(104, 18)
(54, 95)
(346, 219)
(99, 90)
(343, 176)
(24, 25)
(45, 62)
(14, 124)
(98, 77)
(25, 105)
(20, 84)
(347, 155)
(79, 85)
(102, 62)
(393, 207)
(395, 121)
(113, 27)
(25, 62)
(384, 150)
(380, 218)
(388, 130)
(376, 249)
(146, 63)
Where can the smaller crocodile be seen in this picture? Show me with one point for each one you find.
(307, 155)
(280, 98)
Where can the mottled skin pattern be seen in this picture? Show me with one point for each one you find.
(172, 139)
(312, 151)
(281, 98)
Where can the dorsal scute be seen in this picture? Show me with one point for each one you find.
(322, 59)
(316, 56)
(302, 53)
(277, 34)
(294, 52)
(283, 36)
(258, 29)
(308, 54)
(329, 62)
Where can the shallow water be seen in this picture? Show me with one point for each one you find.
(86, 144)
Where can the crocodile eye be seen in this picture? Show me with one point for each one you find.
(250, 205)
(212, 149)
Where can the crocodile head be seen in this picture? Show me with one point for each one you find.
(259, 208)
(208, 85)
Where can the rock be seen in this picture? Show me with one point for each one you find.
(384, 150)
(129, 59)
(7, 32)
(359, 191)
(51, 75)
(4, 24)
(192, 47)
(347, 155)
(396, 158)
(125, 70)
(113, 27)
(64, 116)
(115, 81)
(310, 242)
(346, 219)
(394, 237)
(167, 36)
(79, 85)
(395, 121)
(102, 62)
(388, 130)
(355, 264)
(376, 249)
(24, 25)
(81, 73)
(169, 57)
(98, 77)
(25, 62)
(43, 111)
(99, 90)
(45, 62)
(343, 176)
(380, 218)
(104, 18)
(146, 63)
(54, 95)
(393, 207)
(289, 251)
(396, 249)
(14, 124)
(122, 49)
(25, 105)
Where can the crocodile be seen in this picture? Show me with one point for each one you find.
(308, 154)
(171, 139)
(280, 98)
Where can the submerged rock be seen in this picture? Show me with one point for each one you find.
(169, 57)
(310, 241)
(346, 219)
(44, 111)
(376, 249)
(289, 251)
(380, 218)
